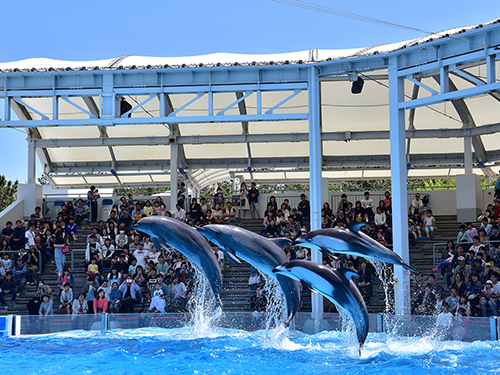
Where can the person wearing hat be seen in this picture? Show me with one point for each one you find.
(492, 298)
(462, 268)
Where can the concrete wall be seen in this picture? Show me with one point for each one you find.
(32, 194)
(12, 213)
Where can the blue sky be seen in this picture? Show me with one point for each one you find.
(88, 30)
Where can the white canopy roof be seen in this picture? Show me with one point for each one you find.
(355, 127)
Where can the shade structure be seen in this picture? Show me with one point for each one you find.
(246, 116)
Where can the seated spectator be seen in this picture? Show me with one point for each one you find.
(138, 213)
(93, 271)
(380, 219)
(9, 287)
(158, 299)
(218, 214)
(301, 253)
(459, 284)
(380, 237)
(367, 206)
(297, 216)
(430, 225)
(93, 250)
(418, 287)
(179, 290)
(66, 299)
(491, 296)
(304, 207)
(115, 297)
(364, 282)
(471, 232)
(453, 300)
(32, 267)
(412, 233)
(81, 212)
(90, 291)
(326, 211)
(358, 212)
(427, 301)
(79, 305)
(416, 204)
(446, 258)
(293, 228)
(486, 226)
(100, 302)
(6, 263)
(350, 211)
(65, 214)
(46, 306)
(419, 224)
(19, 272)
(7, 232)
(476, 244)
(340, 221)
(230, 213)
(435, 287)
(18, 236)
(483, 239)
(473, 294)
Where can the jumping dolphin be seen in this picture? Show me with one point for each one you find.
(347, 241)
(259, 252)
(165, 230)
(336, 285)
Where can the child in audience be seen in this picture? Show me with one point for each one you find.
(158, 300)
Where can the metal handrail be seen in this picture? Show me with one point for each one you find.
(73, 256)
(437, 244)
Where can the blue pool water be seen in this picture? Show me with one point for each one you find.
(224, 351)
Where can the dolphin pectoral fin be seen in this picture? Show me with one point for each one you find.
(356, 226)
(407, 267)
(281, 241)
(231, 255)
(156, 242)
(348, 273)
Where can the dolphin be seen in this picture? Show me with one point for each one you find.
(336, 285)
(347, 241)
(165, 230)
(259, 252)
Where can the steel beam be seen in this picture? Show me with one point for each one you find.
(399, 190)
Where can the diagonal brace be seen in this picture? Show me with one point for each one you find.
(198, 96)
(295, 93)
(465, 75)
(66, 99)
(18, 99)
(420, 84)
(151, 96)
(247, 94)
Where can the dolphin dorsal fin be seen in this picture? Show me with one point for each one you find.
(355, 226)
(281, 241)
(231, 255)
(348, 273)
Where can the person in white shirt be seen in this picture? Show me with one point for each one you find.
(30, 237)
(180, 213)
(367, 206)
(141, 255)
(220, 258)
(445, 317)
(179, 290)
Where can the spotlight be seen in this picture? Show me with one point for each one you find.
(408, 165)
(113, 172)
(357, 86)
(181, 171)
(481, 164)
(249, 169)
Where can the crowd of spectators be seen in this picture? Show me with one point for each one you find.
(470, 266)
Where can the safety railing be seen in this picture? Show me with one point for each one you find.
(436, 254)
(454, 328)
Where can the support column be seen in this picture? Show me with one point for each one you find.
(315, 174)
(31, 178)
(399, 189)
(468, 154)
(173, 176)
(469, 193)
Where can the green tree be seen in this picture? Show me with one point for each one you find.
(226, 187)
(8, 192)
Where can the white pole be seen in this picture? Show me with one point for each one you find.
(173, 177)
(315, 175)
(399, 190)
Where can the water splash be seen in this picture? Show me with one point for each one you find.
(349, 337)
(276, 311)
(205, 312)
(386, 275)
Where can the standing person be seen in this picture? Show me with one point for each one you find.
(253, 197)
(59, 244)
(92, 197)
(129, 290)
(304, 207)
(90, 291)
(244, 203)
